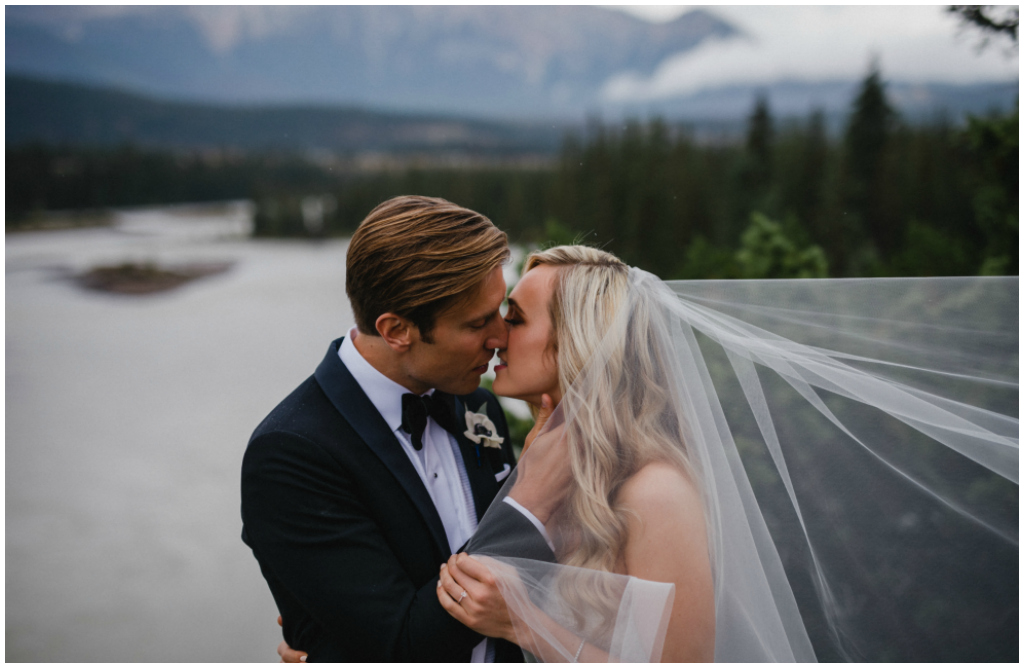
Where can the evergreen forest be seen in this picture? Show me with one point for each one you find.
(881, 197)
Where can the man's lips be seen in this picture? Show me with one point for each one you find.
(481, 369)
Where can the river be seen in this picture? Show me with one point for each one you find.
(127, 417)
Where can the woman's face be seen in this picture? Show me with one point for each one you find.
(529, 365)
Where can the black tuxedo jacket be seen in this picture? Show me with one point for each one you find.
(345, 532)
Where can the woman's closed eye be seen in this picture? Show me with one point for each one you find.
(512, 317)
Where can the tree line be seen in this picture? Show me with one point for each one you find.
(885, 198)
(787, 200)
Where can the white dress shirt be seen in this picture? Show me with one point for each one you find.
(439, 463)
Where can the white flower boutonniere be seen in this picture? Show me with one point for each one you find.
(481, 430)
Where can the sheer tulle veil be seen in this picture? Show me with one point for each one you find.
(855, 443)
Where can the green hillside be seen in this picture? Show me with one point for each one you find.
(61, 113)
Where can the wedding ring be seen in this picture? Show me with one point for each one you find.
(464, 595)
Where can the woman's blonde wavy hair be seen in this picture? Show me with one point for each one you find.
(623, 419)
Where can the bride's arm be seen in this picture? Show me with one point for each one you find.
(667, 542)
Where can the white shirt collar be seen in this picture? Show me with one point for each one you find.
(384, 393)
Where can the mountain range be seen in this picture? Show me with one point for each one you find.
(496, 61)
(391, 78)
(74, 114)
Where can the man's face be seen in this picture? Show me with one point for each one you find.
(464, 339)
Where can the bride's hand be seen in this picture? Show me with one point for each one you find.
(468, 591)
(543, 476)
(543, 415)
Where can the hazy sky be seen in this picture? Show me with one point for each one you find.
(913, 44)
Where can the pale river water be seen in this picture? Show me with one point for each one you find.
(126, 420)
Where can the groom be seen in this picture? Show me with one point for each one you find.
(377, 468)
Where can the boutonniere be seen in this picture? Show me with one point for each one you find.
(481, 430)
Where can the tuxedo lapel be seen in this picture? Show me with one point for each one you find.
(478, 464)
(350, 400)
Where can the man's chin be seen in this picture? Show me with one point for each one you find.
(467, 386)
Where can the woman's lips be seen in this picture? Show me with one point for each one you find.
(499, 367)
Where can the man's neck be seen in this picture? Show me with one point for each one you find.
(381, 357)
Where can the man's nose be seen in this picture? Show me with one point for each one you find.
(497, 337)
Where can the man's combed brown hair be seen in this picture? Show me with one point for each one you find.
(417, 256)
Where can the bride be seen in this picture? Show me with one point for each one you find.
(741, 466)
(633, 496)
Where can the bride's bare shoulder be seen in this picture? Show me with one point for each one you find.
(666, 537)
(658, 487)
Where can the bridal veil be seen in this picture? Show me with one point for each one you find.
(855, 442)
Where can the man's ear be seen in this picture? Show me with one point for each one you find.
(397, 332)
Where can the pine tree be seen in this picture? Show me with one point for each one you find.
(812, 166)
(760, 142)
(871, 127)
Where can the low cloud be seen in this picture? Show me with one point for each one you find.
(815, 44)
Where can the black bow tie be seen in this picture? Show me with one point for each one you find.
(416, 410)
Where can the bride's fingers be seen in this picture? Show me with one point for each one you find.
(538, 425)
(450, 606)
(448, 586)
(482, 585)
(445, 596)
(463, 582)
(544, 414)
(469, 566)
(476, 579)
